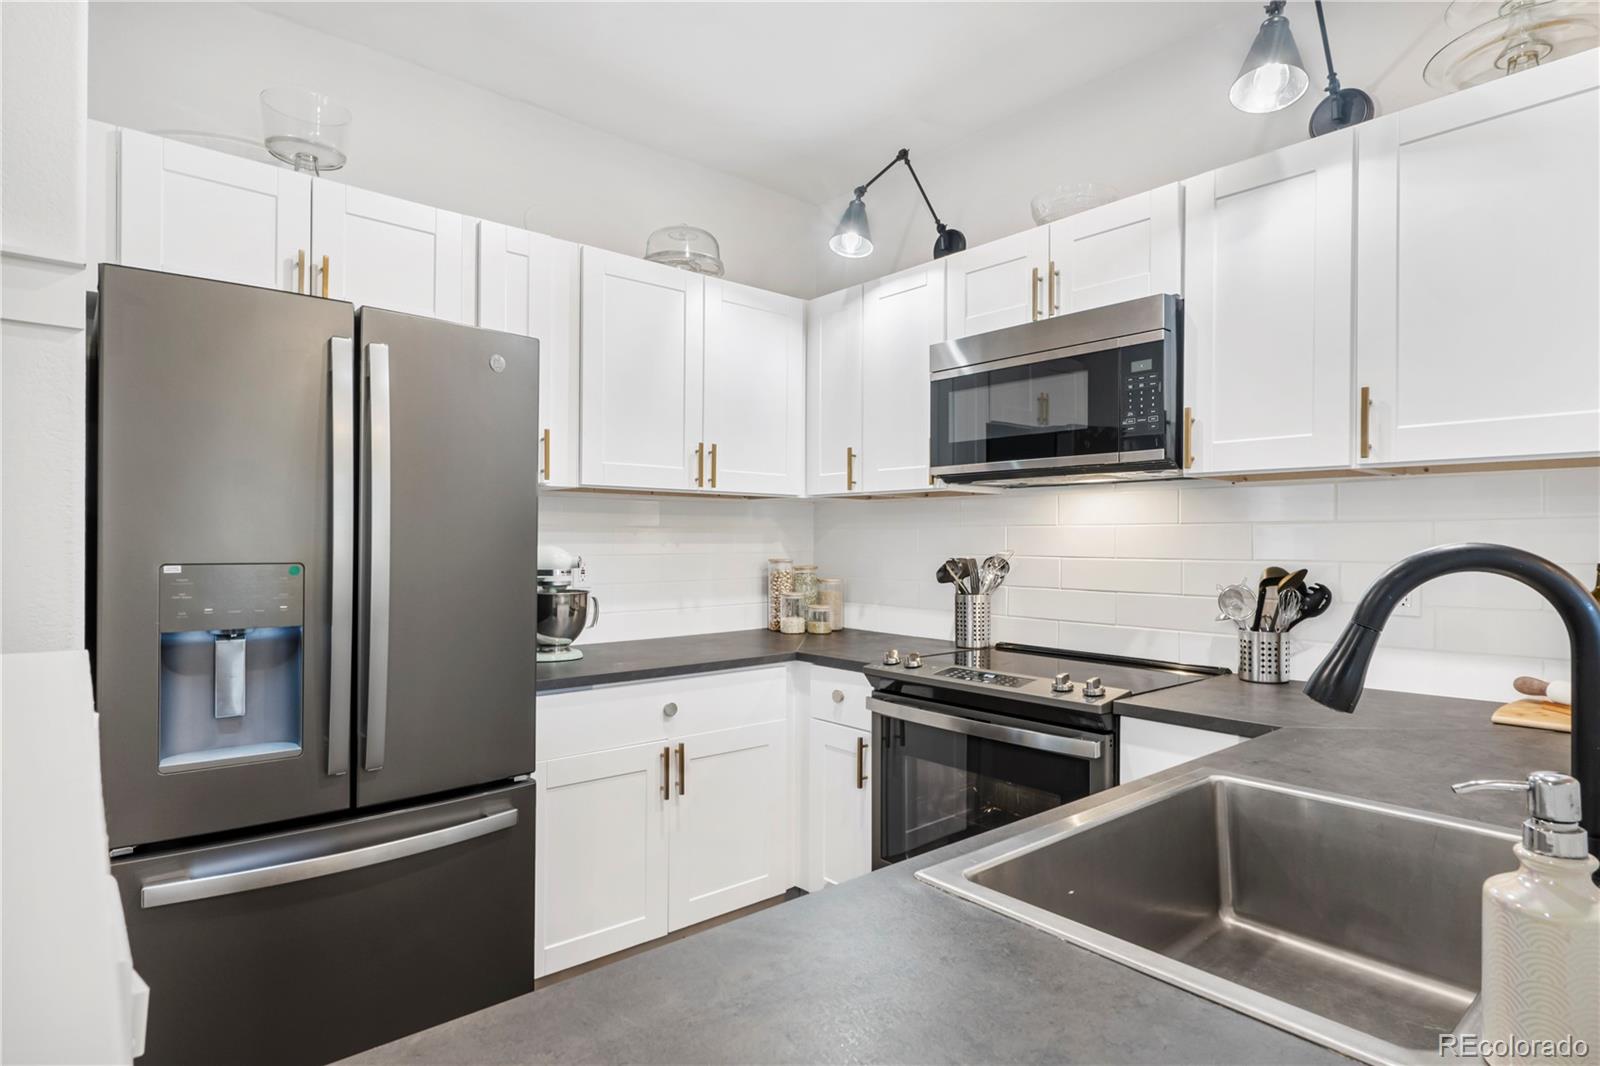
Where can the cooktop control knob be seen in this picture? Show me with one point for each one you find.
(1062, 683)
(891, 657)
(1093, 688)
(913, 660)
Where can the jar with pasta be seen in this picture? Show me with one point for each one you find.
(780, 579)
(830, 594)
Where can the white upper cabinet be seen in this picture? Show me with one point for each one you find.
(754, 419)
(187, 210)
(833, 393)
(1267, 343)
(1120, 251)
(643, 353)
(379, 251)
(902, 316)
(1478, 270)
(528, 284)
(998, 284)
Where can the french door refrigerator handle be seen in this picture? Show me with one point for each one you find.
(378, 450)
(163, 893)
(341, 620)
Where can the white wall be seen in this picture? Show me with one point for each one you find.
(430, 138)
(1162, 118)
(665, 566)
(1134, 569)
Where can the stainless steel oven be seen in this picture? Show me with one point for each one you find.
(943, 777)
(1092, 393)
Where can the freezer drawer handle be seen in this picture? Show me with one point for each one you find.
(168, 892)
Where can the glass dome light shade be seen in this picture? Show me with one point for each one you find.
(851, 237)
(1273, 75)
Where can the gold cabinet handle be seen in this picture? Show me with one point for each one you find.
(861, 762)
(1188, 437)
(324, 277)
(1033, 294)
(682, 771)
(546, 442)
(300, 271)
(849, 470)
(1055, 289)
(666, 773)
(700, 464)
(1366, 422)
(713, 466)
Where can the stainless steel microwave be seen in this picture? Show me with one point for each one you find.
(1076, 397)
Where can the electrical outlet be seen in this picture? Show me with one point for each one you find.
(1408, 605)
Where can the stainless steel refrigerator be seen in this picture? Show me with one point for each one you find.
(312, 593)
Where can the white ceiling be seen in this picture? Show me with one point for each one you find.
(805, 98)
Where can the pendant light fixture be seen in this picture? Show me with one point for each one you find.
(1273, 77)
(853, 239)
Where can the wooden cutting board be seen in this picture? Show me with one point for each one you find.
(1535, 714)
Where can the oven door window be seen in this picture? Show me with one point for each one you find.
(1061, 408)
(938, 787)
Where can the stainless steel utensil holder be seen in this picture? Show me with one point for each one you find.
(972, 620)
(1264, 657)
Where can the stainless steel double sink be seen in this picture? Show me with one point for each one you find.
(1352, 924)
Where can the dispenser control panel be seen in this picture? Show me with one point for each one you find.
(205, 596)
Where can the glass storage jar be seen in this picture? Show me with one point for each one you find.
(791, 613)
(780, 579)
(805, 582)
(819, 619)
(830, 594)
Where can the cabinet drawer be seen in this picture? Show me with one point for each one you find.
(615, 716)
(840, 696)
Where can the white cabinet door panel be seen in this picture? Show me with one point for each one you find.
(833, 393)
(754, 390)
(1120, 251)
(1478, 271)
(729, 822)
(840, 804)
(601, 862)
(902, 317)
(187, 210)
(1268, 309)
(528, 283)
(996, 285)
(642, 358)
(390, 253)
(1147, 748)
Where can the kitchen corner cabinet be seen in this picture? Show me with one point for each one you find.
(379, 251)
(902, 316)
(839, 767)
(642, 344)
(187, 210)
(1478, 269)
(528, 283)
(1119, 251)
(833, 393)
(754, 389)
(1268, 246)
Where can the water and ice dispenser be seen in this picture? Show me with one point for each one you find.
(232, 638)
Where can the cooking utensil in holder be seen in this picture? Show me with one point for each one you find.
(1264, 656)
(972, 620)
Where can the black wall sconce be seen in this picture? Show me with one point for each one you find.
(1273, 77)
(853, 239)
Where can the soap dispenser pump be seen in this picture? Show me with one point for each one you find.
(1541, 933)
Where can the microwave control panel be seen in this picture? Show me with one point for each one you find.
(1143, 393)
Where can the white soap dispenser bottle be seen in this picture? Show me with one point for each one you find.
(1541, 934)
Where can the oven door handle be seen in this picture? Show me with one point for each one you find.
(1078, 747)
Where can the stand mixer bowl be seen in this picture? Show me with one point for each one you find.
(563, 614)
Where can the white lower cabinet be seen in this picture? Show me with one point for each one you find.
(839, 763)
(661, 804)
(1147, 748)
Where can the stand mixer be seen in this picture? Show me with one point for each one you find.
(564, 611)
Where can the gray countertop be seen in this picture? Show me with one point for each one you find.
(888, 969)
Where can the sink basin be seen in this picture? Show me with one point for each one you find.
(1352, 924)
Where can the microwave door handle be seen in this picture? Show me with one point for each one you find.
(379, 475)
(1076, 746)
(342, 485)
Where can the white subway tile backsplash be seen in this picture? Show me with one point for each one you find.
(1122, 575)
(1352, 541)
(1573, 538)
(1117, 505)
(1214, 502)
(1225, 541)
(1458, 495)
(1207, 578)
(1063, 541)
(1572, 491)
(1035, 571)
(1064, 604)
(1196, 613)
(1477, 630)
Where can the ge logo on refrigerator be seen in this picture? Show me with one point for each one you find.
(497, 363)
